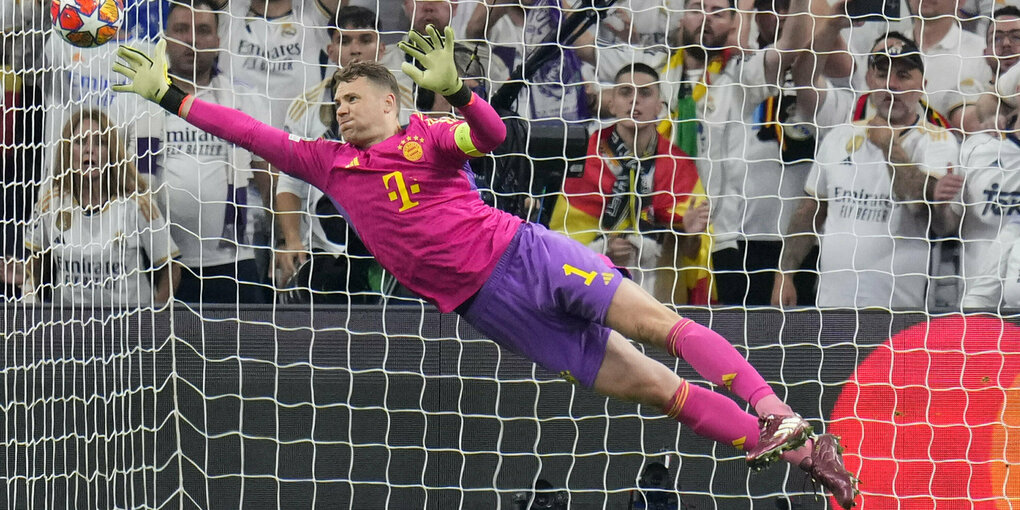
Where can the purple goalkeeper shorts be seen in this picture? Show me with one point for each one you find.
(547, 300)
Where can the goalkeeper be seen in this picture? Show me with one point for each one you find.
(534, 292)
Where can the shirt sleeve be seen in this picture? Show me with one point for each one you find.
(815, 185)
(297, 187)
(154, 233)
(971, 158)
(975, 79)
(751, 75)
(308, 160)
(481, 131)
(837, 108)
(258, 107)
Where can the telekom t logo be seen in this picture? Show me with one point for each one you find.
(403, 192)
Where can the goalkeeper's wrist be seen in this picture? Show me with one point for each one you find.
(172, 100)
(459, 98)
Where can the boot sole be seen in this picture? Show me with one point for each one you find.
(769, 457)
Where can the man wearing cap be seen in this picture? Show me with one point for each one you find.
(869, 190)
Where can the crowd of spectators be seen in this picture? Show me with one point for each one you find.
(751, 152)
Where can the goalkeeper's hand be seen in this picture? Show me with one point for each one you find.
(436, 55)
(147, 75)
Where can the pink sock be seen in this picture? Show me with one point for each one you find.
(717, 360)
(713, 416)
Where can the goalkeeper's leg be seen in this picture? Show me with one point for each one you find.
(637, 315)
(628, 374)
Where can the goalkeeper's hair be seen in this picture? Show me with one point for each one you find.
(374, 72)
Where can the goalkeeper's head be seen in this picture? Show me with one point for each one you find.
(367, 103)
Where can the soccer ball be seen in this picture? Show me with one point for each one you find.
(87, 23)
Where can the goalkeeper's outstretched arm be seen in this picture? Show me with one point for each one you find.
(149, 79)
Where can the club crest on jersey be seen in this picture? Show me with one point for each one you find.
(289, 30)
(411, 147)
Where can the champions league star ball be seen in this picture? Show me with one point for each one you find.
(87, 23)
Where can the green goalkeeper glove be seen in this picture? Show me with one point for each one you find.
(148, 77)
(436, 55)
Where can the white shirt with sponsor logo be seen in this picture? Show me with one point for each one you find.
(990, 200)
(874, 248)
(724, 139)
(196, 172)
(279, 58)
(105, 258)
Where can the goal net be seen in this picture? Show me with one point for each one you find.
(198, 331)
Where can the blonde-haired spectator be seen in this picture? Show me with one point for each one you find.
(95, 236)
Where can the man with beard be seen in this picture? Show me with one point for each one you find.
(716, 90)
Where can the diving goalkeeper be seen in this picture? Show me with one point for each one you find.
(535, 292)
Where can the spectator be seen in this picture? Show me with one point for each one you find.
(308, 220)
(80, 78)
(956, 71)
(869, 192)
(555, 89)
(1002, 51)
(278, 47)
(780, 144)
(501, 24)
(977, 204)
(633, 31)
(716, 91)
(204, 180)
(95, 237)
(636, 188)
(23, 23)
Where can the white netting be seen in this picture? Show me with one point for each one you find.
(305, 376)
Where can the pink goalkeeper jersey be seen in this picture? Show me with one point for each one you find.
(408, 196)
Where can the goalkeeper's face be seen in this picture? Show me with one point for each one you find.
(366, 113)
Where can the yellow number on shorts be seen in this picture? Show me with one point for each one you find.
(589, 276)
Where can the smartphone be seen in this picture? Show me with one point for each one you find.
(873, 10)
